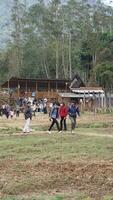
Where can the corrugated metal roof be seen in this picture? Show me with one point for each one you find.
(74, 95)
(67, 95)
(87, 90)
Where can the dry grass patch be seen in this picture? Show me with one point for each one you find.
(57, 166)
(95, 179)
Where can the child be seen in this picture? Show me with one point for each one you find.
(11, 113)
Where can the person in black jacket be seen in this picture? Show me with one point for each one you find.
(28, 117)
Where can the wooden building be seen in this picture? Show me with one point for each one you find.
(59, 89)
(40, 88)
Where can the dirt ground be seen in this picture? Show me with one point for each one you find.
(94, 177)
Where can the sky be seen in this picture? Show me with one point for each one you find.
(5, 6)
(108, 2)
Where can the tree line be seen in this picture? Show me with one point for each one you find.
(57, 40)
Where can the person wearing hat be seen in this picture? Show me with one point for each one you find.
(28, 117)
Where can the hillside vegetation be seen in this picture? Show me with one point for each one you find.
(57, 40)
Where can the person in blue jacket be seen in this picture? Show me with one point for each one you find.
(54, 114)
(73, 111)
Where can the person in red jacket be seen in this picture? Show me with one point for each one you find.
(63, 111)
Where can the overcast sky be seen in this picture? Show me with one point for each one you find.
(108, 2)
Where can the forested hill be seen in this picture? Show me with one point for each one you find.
(55, 40)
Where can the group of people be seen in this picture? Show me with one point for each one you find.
(36, 105)
(62, 111)
(57, 111)
(7, 110)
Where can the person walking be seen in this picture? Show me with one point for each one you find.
(73, 111)
(63, 111)
(28, 117)
(45, 106)
(11, 113)
(7, 111)
(54, 114)
(17, 110)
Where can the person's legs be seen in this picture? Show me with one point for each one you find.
(57, 124)
(7, 115)
(65, 126)
(34, 113)
(72, 123)
(52, 124)
(61, 123)
(17, 113)
(27, 126)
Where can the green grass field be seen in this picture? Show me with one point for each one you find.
(63, 166)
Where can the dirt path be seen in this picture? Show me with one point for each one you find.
(95, 134)
(74, 134)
